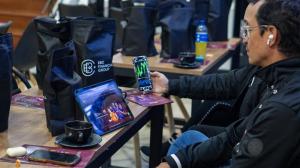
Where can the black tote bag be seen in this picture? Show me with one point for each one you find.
(59, 85)
(94, 43)
(5, 78)
(175, 17)
(139, 30)
(51, 34)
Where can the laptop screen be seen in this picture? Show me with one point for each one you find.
(103, 106)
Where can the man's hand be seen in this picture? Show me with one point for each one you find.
(163, 165)
(160, 83)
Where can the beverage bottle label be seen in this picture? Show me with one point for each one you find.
(201, 37)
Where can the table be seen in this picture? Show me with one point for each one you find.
(216, 56)
(28, 126)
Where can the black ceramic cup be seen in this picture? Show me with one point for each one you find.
(187, 58)
(78, 131)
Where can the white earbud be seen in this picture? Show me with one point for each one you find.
(270, 39)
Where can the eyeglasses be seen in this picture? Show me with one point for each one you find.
(245, 30)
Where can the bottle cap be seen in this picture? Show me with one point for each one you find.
(202, 21)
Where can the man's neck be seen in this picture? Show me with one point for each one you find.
(274, 57)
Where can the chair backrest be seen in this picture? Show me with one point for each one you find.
(75, 10)
(4, 26)
(25, 56)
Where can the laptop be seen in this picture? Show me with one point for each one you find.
(103, 106)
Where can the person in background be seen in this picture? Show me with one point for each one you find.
(218, 18)
(267, 94)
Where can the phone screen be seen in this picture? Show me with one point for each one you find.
(54, 157)
(142, 73)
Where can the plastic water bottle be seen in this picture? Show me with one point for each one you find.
(201, 42)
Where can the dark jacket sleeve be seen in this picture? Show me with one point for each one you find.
(213, 86)
(215, 151)
(267, 140)
(270, 140)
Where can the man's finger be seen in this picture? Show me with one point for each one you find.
(154, 74)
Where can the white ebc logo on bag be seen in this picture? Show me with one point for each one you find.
(88, 67)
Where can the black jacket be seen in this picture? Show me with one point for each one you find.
(268, 105)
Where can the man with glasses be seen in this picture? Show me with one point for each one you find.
(267, 93)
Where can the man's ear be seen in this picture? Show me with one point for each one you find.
(273, 36)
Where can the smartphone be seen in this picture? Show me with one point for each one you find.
(142, 73)
(54, 157)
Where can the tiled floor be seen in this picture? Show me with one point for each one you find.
(125, 156)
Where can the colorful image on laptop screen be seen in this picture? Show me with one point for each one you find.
(104, 106)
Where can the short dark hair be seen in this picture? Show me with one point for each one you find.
(253, 1)
(285, 16)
